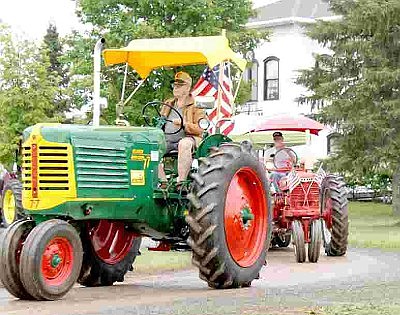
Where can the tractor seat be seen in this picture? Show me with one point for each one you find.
(173, 153)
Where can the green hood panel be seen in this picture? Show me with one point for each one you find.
(110, 161)
(63, 133)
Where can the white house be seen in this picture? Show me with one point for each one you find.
(276, 63)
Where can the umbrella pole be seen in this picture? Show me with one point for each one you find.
(308, 138)
(219, 99)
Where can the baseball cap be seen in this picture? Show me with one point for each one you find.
(182, 77)
(277, 134)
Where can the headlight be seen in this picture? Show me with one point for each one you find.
(204, 123)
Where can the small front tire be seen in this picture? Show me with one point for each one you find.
(51, 260)
(11, 246)
(11, 202)
(298, 241)
(314, 246)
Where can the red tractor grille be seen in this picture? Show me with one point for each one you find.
(305, 196)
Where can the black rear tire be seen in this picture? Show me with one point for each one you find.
(11, 246)
(208, 240)
(285, 242)
(333, 189)
(95, 272)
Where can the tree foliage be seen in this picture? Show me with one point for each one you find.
(57, 69)
(26, 90)
(359, 84)
(120, 21)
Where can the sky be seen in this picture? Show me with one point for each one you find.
(32, 17)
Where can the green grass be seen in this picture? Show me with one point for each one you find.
(361, 309)
(155, 262)
(373, 225)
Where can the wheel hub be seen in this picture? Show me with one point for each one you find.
(55, 261)
(246, 216)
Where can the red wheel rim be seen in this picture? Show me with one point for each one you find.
(245, 217)
(111, 241)
(57, 261)
(327, 211)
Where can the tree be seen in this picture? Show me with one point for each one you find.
(359, 86)
(121, 21)
(26, 90)
(57, 68)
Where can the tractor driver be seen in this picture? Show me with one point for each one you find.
(285, 159)
(186, 140)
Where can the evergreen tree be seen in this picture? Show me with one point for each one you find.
(358, 84)
(57, 69)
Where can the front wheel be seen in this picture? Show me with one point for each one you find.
(314, 246)
(11, 246)
(11, 202)
(230, 217)
(51, 259)
(298, 241)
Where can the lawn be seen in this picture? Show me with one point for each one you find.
(373, 225)
(155, 262)
(361, 309)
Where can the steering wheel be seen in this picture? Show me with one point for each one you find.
(285, 159)
(159, 120)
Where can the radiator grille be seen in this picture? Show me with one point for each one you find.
(45, 168)
(305, 195)
(101, 167)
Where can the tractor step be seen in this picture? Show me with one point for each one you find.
(162, 247)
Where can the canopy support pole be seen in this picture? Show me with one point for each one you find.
(120, 105)
(124, 83)
(219, 99)
(308, 138)
(96, 80)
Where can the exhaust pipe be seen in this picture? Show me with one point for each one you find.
(96, 81)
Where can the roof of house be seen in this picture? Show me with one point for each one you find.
(284, 9)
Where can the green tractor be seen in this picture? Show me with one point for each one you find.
(91, 192)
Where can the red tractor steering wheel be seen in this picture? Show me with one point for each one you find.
(284, 160)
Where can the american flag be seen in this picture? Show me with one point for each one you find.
(320, 175)
(293, 180)
(208, 86)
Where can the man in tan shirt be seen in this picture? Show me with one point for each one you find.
(186, 140)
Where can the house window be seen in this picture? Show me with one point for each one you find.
(271, 82)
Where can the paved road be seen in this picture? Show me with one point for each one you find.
(285, 287)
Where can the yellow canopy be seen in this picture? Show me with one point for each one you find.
(144, 55)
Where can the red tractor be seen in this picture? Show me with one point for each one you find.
(308, 208)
